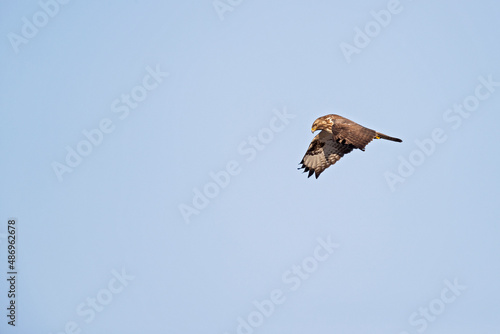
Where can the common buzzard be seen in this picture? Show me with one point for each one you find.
(338, 136)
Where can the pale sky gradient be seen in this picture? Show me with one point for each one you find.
(179, 95)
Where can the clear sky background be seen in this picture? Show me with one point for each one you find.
(402, 238)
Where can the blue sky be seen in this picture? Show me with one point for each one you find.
(151, 151)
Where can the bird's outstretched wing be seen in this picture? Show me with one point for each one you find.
(323, 152)
(348, 132)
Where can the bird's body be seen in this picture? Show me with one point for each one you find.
(338, 136)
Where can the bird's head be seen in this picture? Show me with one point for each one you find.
(323, 123)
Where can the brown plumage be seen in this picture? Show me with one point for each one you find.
(338, 136)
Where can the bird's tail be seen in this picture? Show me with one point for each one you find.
(379, 135)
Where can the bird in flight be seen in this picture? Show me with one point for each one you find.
(338, 136)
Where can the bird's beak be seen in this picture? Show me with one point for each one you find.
(313, 129)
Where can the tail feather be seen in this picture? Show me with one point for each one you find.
(379, 135)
